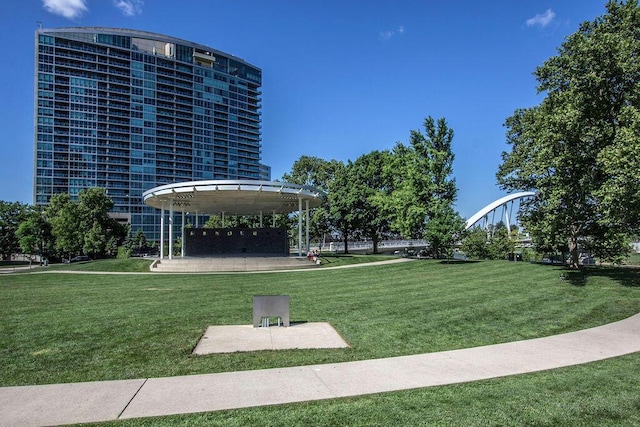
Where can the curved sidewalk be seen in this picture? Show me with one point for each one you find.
(112, 400)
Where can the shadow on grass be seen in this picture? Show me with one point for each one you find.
(625, 276)
(575, 277)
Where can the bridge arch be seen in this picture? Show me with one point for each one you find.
(492, 207)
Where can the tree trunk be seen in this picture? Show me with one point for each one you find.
(346, 243)
(374, 239)
(573, 251)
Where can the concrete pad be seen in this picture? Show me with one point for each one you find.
(233, 338)
(56, 404)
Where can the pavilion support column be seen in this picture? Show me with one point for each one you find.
(299, 226)
(306, 209)
(197, 219)
(162, 232)
(260, 219)
(222, 214)
(182, 237)
(171, 229)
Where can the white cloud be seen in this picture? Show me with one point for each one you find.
(70, 9)
(129, 7)
(386, 35)
(543, 19)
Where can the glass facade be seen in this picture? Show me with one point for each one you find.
(130, 110)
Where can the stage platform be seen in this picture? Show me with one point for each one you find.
(230, 263)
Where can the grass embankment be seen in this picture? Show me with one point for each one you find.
(79, 327)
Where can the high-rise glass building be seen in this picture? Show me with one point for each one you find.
(130, 110)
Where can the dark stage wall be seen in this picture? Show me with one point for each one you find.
(218, 241)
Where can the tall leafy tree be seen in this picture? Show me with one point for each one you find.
(444, 225)
(84, 225)
(367, 187)
(411, 194)
(424, 191)
(98, 227)
(341, 204)
(65, 225)
(317, 173)
(579, 148)
(34, 233)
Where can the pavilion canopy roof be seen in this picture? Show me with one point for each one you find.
(234, 197)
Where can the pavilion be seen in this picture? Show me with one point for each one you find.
(231, 197)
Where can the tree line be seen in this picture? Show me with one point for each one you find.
(406, 192)
(63, 229)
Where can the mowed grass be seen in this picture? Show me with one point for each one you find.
(59, 327)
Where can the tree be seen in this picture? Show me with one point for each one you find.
(443, 229)
(488, 244)
(341, 205)
(84, 226)
(476, 243)
(11, 215)
(65, 225)
(444, 225)
(579, 149)
(411, 191)
(500, 245)
(34, 233)
(93, 209)
(317, 173)
(424, 192)
(139, 241)
(363, 189)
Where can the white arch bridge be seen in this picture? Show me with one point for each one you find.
(505, 203)
(503, 206)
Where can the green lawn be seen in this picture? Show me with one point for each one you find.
(83, 327)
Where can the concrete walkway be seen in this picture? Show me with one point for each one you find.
(112, 400)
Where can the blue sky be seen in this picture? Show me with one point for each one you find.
(340, 78)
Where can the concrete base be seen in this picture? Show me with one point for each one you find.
(233, 338)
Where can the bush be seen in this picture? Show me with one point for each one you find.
(123, 252)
